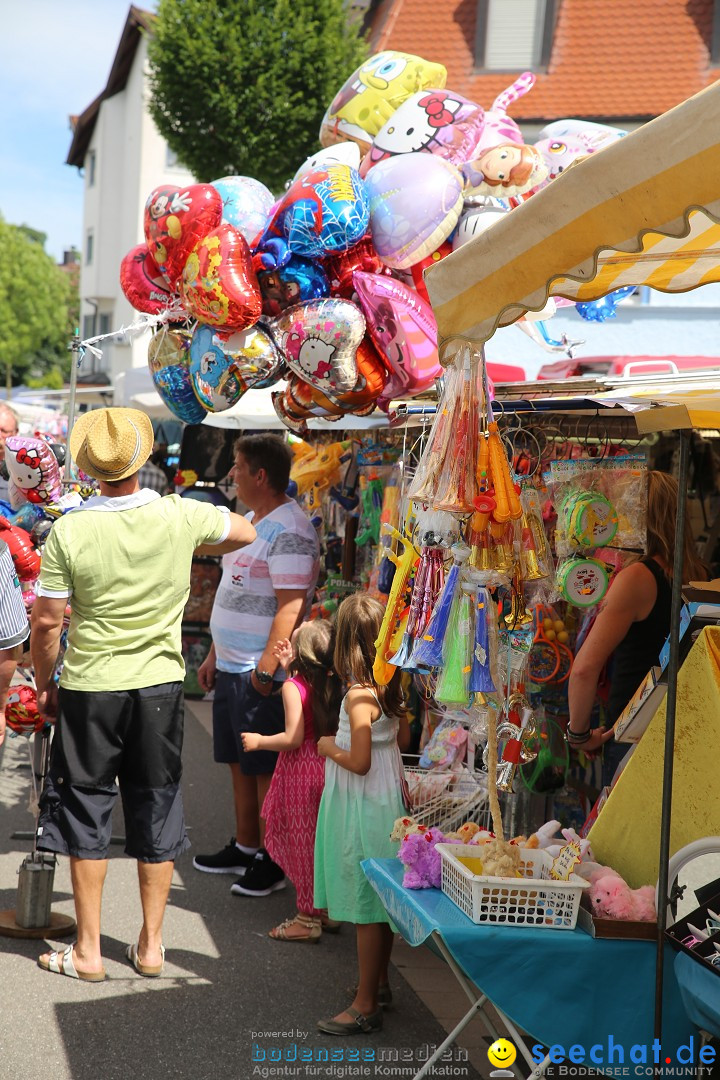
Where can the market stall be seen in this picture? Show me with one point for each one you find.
(644, 211)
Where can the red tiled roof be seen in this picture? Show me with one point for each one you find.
(611, 60)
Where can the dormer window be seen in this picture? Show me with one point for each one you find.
(514, 35)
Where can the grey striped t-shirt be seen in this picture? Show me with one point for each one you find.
(14, 626)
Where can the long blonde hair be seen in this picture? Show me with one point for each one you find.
(357, 626)
(663, 494)
(314, 646)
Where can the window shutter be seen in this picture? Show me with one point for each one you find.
(514, 34)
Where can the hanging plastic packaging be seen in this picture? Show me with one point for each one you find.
(457, 486)
(481, 678)
(425, 481)
(427, 652)
(453, 681)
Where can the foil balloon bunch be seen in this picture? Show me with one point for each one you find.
(323, 287)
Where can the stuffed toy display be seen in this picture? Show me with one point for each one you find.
(612, 898)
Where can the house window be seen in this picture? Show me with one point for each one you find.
(89, 247)
(171, 159)
(88, 327)
(514, 35)
(104, 324)
(92, 158)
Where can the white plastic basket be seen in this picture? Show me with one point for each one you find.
(535, 900)
(446, 800)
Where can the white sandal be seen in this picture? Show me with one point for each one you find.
(68, 967)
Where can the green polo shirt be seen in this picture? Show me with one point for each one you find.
(125, 564)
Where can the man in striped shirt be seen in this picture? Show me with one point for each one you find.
(265, 591)
(14, 627)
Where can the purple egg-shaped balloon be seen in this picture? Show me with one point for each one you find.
(415, 202)
(246, 204)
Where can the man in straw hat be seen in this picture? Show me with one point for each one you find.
(123, 559)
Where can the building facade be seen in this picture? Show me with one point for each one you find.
(123, 157)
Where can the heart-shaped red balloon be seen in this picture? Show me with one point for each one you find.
(141, 281)
(219, 286)
(175, 219)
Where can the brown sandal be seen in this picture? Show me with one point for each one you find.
(359, 1024)
(313, 927)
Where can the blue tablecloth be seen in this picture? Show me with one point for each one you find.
(700, 992)
(563, 987)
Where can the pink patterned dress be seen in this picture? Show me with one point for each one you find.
(291, 806)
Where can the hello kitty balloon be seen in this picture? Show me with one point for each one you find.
(320, 339)
(34, 471)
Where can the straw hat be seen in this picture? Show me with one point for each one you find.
(111, 444)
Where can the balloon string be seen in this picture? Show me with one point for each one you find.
(173, 313)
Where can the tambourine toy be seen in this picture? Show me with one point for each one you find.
(591, 519)
(583, 582)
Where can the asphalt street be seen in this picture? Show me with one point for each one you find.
(233, 1004)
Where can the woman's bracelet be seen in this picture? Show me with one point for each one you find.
(578, 736)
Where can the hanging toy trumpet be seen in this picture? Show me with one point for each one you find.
(457, 482)
(507, 500)
(534, 553)
(383, 668)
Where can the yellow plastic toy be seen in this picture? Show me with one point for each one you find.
(383, 670)
(319, 467)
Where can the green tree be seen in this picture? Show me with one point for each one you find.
(240, 88)
(35, 297)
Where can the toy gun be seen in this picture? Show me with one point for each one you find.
(383, 669)
(371, 497)
(319, 467)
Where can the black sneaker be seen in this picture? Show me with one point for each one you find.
(263, 877)
(231, 860)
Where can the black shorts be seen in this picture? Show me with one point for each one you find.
(130, 737)
(238, 707)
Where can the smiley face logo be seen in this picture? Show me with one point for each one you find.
(502, 1053)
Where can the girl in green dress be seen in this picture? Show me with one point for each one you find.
(361, 801)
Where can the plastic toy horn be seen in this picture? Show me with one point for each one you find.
(452, 685)
(481, 680)
(383, 668)
(507, 500)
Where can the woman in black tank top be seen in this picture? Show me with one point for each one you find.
(633, 623)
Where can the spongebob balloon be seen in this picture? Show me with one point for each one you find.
(373, 93)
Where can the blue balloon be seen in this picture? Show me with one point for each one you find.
(297, 280)
(605, 307)
(322, 213)
(246, 204)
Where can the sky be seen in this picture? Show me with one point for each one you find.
(55, 57)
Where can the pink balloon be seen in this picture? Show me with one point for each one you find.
(415, 202)
(434, 121)
(34, 471)
(175, 219)
(403, 329)
(141, 281)
(500, 128)
(219, 286)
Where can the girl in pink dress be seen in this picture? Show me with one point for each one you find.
(311, 697)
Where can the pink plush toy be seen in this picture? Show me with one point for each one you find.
(612, 898)
(421, 858)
